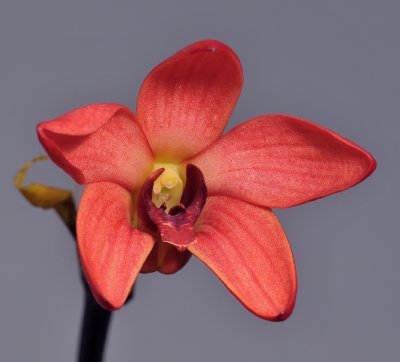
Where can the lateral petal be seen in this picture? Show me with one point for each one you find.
(282, 161)
(112, 252)
(246, 247)
(186, 101)
(98, 142)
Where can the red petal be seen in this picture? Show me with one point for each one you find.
(112, 252)
(98, 142)
(282, 161)
(246, 247)
(186, 101)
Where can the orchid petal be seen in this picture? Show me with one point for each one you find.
(246, 247)
(282, 161)
(112, 252)
(186, 101)
(98, 142)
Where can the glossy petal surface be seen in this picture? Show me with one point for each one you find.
(246, 247)
(282, 161)
(98, 142)
(186, 101)
(112, 252)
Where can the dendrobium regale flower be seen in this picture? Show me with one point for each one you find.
(164, 184)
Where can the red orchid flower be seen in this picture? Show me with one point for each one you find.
(165, 184)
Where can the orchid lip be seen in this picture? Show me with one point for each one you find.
(173, 224)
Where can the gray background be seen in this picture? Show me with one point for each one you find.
(334, 62)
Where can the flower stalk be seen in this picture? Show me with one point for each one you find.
(96, 320)
(94, 330)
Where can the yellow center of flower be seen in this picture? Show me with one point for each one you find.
(167, 189)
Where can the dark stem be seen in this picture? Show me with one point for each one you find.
(96, 321)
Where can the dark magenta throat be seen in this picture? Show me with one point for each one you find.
(177, 226)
